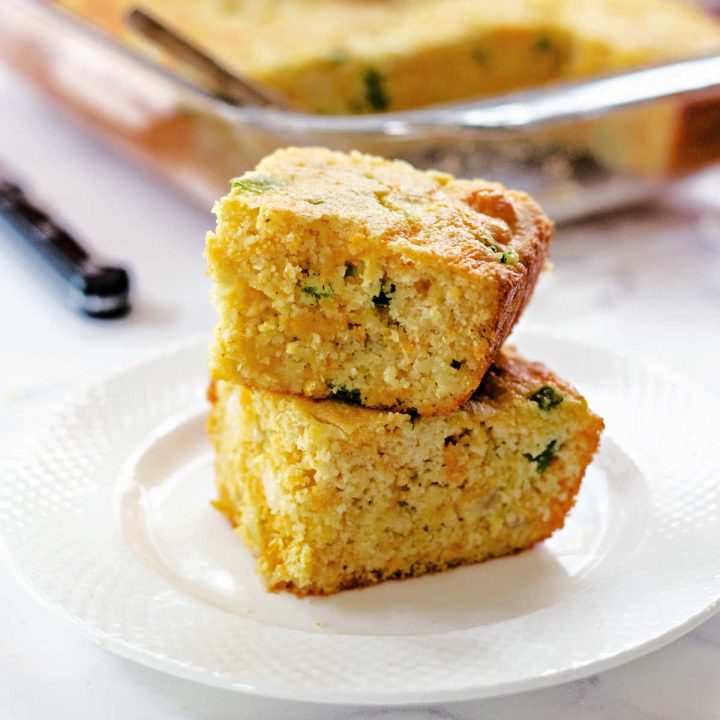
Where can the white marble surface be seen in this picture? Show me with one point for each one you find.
(647, 282)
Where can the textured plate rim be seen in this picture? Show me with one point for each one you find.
(202, 676)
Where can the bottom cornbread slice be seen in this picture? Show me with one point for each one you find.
(330, 496)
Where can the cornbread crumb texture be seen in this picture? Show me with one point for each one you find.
(330, 496)
(365, 279)
(358, 56)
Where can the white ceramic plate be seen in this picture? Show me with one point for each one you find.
(106, 517)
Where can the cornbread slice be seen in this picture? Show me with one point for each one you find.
(365, 279)
(331, 496)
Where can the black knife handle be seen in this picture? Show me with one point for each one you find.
(97, 290)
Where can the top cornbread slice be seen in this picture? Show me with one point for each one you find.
(368, 280)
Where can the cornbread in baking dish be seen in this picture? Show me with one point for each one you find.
(360, 278)
(330, 56)
(331, 496)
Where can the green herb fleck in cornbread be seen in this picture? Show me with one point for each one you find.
(542, 460)
(376, 95)
(255, 183)
(547, 397)
(400, 284)
(318, 292)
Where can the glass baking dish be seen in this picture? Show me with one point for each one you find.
(198, 141)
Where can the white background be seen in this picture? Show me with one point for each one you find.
(647, 282)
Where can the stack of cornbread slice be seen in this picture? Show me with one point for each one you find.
(366, 420)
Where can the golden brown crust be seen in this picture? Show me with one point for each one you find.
(211, 393)
(696, 142)
(515, 374)
(533, 233)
